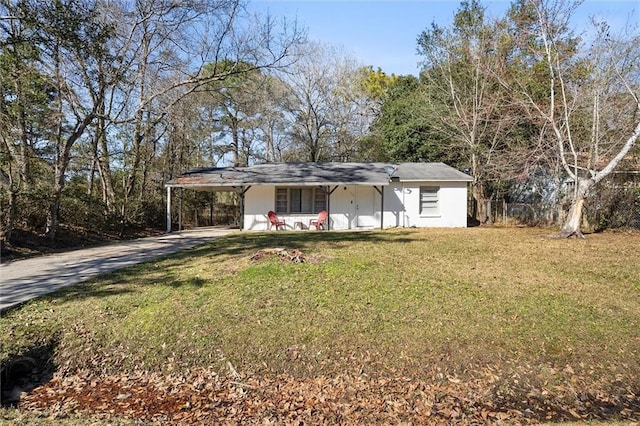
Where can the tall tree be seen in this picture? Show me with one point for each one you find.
(100, 77)
(26, 97)
(356, 105)
(274, 98)
(235, 106)
(320, 106)
(402, 131)
(72, 38)
(463, 99)
(171, 43)
(591, 104)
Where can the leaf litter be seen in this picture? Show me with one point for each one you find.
(205, 397)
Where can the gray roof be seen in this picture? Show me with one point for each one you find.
(317, 174)
(408, 172)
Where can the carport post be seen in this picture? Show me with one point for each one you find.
(241, 190)
(381, 207)
(381, 192)
(168, 209)
(329, 191)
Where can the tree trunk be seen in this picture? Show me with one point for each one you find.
(11, 215)
(270, 152)
(129, 181)
(104, 172)
(102, 155)
(92, 175)
(571, 225)
(235, 143)
(52, 214)
(54, 204)
(62, 162)
(480, 197)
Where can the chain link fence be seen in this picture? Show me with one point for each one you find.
(609, 208)
(614, 207)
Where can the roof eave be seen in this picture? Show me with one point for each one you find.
(437, 180)
(288, 184)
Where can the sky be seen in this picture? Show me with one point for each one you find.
(383, 33)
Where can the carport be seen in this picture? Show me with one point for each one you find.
(327, 177)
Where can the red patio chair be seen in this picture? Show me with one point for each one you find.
(319, 222)
(274, 221)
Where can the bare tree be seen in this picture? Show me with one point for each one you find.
(72, 41)
(322, 108)
(354, 111)
(273, 100)
(164, 38)
(108, 73)
(592, 106)
(463, 97)
(234, 107)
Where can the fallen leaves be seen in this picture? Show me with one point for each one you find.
(204, 397)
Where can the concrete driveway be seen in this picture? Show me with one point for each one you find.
(25, 279)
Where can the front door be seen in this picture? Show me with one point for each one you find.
(365, 207)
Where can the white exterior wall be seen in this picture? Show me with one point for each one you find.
(341, 208)
(402, 205)
(354, 206)
(258, 200)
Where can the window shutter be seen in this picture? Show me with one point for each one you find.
(429, 200)
(320, 201)
(281, 200)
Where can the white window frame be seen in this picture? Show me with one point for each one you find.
(429, 202)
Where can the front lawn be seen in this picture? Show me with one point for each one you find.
(402, 325)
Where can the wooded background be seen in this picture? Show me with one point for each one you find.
(105, 101)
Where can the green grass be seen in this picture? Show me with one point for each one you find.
(378, 302)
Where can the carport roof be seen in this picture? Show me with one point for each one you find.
(316, 174)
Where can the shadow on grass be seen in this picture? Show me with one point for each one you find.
(26, 371)
(246, 243)
(237, 244)
(102, 286)
(96, 287)
(194, 282)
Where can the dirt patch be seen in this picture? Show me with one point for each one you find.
(288, 255)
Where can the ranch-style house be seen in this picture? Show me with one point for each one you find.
(355, 195)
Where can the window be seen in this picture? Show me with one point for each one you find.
(429, 201)
(300, 200)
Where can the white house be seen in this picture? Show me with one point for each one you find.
(356, 195)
